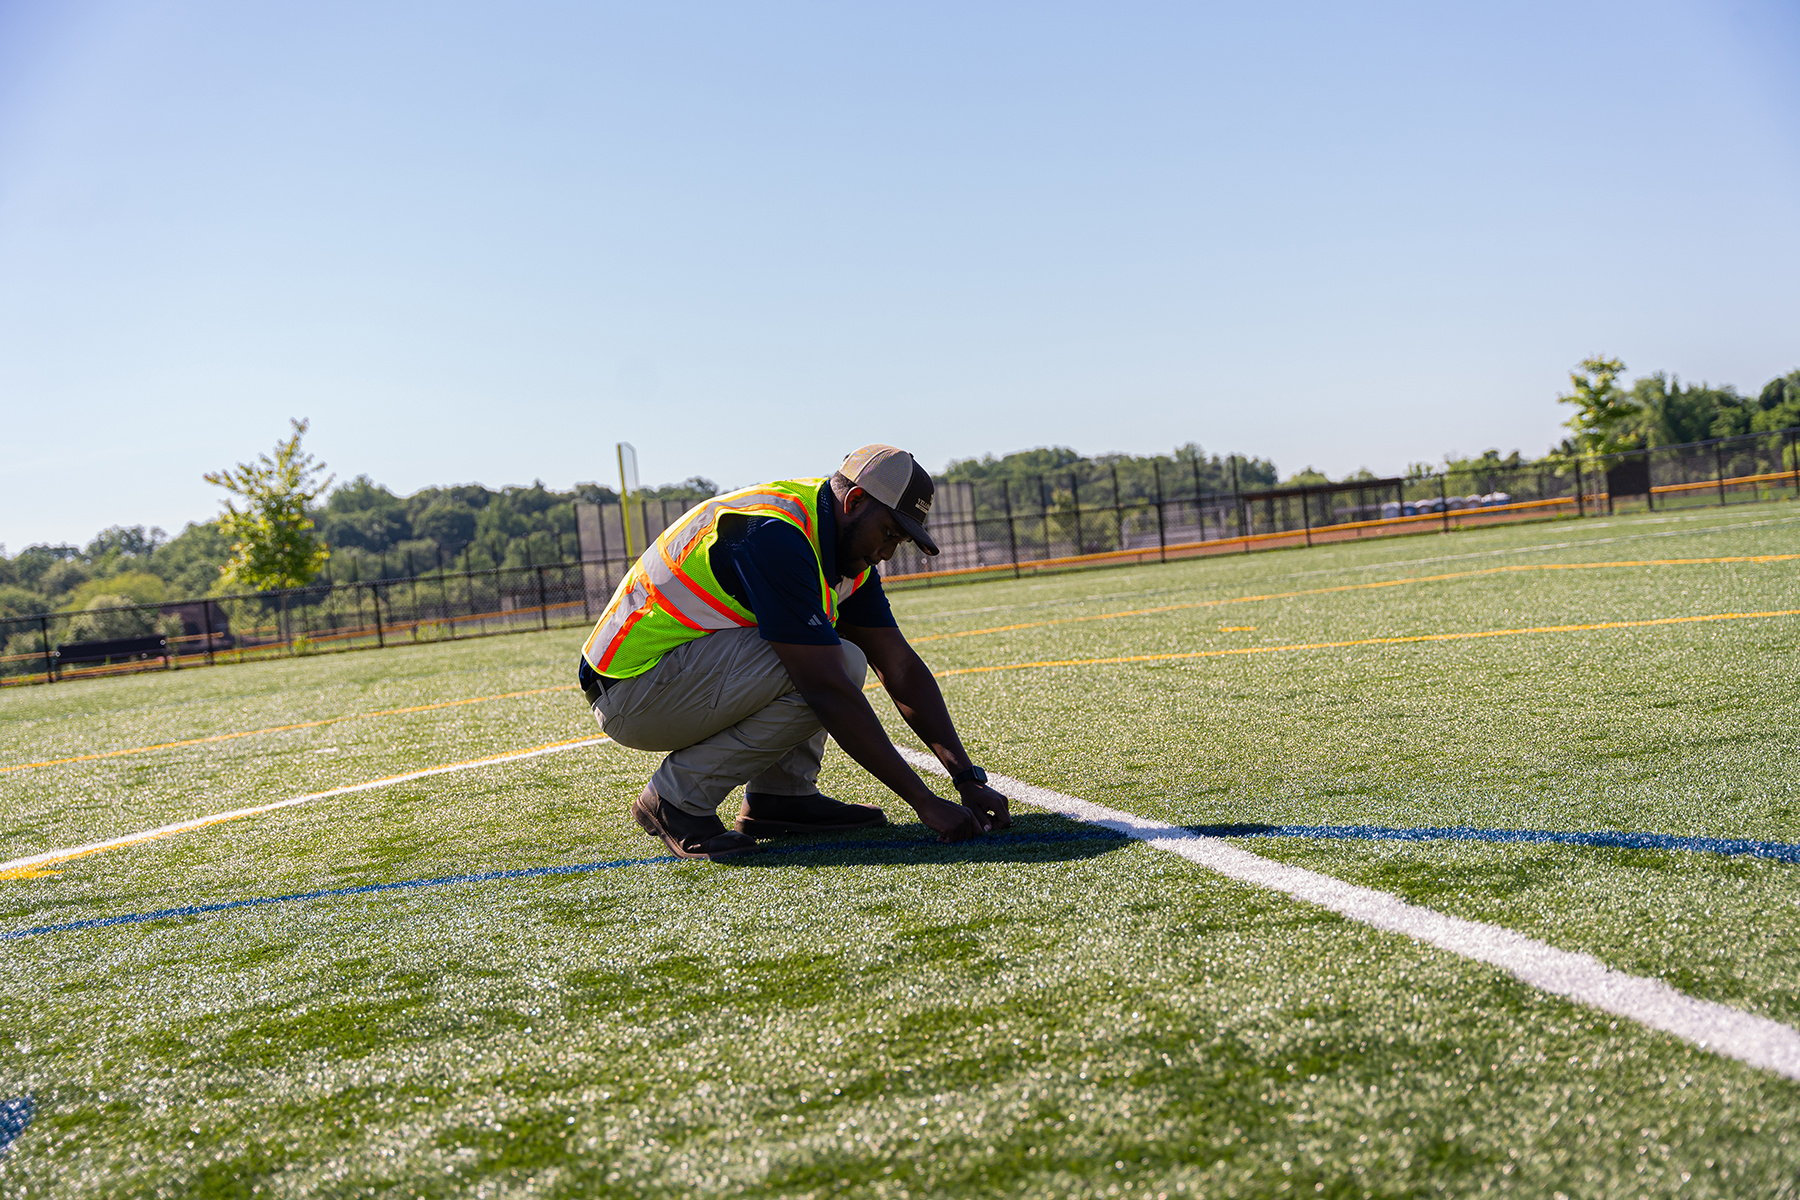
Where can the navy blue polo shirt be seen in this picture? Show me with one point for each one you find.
(767, 565)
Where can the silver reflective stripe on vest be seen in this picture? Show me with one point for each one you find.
(676, 541)
(633, 595)
(684, 600)
(656, 570)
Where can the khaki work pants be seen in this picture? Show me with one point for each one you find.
(725, 709)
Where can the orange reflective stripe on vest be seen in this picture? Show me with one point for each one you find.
(671, 595)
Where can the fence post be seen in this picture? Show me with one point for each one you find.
(1580, 491)
(1162, 534)
(49, 662)
(543, 602)
(206, 624)
(1012, 534)
(1237, 502)
(1199, 513)
(1118, 508)
(605, 554)
(1306, 518)
(1444, 498)
(375, 602)
(1075, 499)
(1719, 469)
(1794, 457)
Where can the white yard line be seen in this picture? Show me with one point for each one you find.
(1579, 977)
(1582, 978)
(50, 857)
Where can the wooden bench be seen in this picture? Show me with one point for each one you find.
(130, 649)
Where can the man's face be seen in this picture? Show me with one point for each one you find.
(868, 534)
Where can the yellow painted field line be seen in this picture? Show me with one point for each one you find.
(1383, 641)
(1358, 587)
(244, 733)
(32, 865)
(1134, 612)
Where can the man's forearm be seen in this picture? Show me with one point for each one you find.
(851, 723)
(920, 702)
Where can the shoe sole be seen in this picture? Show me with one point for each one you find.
(756, 828)
(656, 831)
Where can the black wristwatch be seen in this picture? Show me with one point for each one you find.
(969, 774)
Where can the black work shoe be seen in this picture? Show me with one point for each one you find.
(687, 835)
(769, 816)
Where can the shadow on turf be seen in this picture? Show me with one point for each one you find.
(1032, 838)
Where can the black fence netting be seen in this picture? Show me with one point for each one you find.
(1053, 522)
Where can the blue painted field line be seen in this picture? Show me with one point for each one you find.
(15, 1115)
(1779, 851)
(196, 910)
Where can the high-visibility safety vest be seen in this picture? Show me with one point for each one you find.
(671, 596)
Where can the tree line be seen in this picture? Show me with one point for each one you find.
(1057, 477)
(1659, 410)
(365, 531)
(279, 508)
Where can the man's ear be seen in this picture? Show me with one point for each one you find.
(854, 499)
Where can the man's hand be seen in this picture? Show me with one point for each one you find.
(989, 806)
(951, 821)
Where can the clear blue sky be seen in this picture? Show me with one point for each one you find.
(484, 242)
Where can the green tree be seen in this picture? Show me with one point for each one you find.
(364, 514)
(593, 493)
(1603, 420)
(63, 577)
(1778, 407)
(134, 541)
(192, 560)
(447, 522)
(139, 587)
(19, 602)
(1667, 413)
(34, 562)
(273, 544)
(692, 490)
(1305, 477)
(104, 617)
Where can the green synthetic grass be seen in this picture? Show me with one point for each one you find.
(1070, 1016)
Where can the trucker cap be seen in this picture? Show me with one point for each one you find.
(890, 475)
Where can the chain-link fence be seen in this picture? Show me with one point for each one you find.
(1054, 522)
(1060, 521)
(308, 620)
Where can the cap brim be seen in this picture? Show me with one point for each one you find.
(916, 532)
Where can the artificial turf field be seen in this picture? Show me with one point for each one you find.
(1058, 1011)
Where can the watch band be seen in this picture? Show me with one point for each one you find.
(969, 774)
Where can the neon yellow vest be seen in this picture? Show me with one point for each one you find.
(671, 596)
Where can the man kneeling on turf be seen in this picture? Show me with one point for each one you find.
(743, 636)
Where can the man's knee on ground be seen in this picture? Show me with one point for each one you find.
(856, 663)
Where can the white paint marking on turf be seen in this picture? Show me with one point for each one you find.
(1580, 977)
(162, 831)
